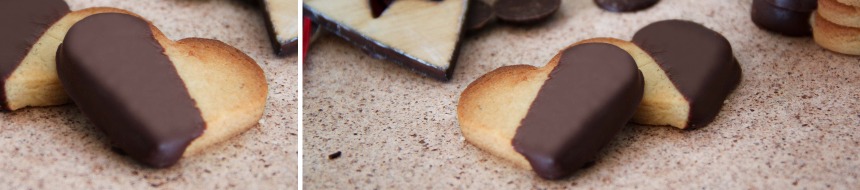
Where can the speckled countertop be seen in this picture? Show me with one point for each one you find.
(57, 148)
(794, 121)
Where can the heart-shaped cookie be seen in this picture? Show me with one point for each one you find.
(690, 73)
(158, 99)
(421, 35)
(34, 29)
(556, 118)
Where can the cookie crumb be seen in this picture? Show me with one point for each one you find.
(334, 156)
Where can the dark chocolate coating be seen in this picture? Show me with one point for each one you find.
(796, 5)
(525, 11)
(24, 22)
(589, 96)
(479, 15)
(379, 6)
(281, 49)
(698, 60)
(625, 5)
(380, 52)
(113, 68)
(780, 20)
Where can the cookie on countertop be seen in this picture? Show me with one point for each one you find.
(625, 5)
(553, 119)
(787, 17)
(158, 99)
(34, 30)
(421, 35)
(694, 62)
(839, 13)
(835, 37)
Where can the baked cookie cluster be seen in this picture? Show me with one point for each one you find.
(156, 99)
(555, 119)
(836, 26)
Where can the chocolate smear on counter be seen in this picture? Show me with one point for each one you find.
(117, 73)
(589, 96)
(625, 5)
(334, 155)
(698, 60)
(24, 22)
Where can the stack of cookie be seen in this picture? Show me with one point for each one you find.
(836, 26)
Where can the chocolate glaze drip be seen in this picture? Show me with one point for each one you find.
(789, 22)
(118, 75)
(24, 22)
(592, 92)
(698, 60)
(625, 5)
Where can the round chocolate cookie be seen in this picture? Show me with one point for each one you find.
(479, 15)
(625, 5)
(795, 5)
(781, 20)
(525, 11)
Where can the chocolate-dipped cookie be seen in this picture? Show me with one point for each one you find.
(835, 37)
(787, 17)
(525, 12)
(625, 5)
(27, 57)
(839, 13)
(282, 25)
(553, 119)
(24, 25)
(480, 14)
(697, 71)
(158, 99)
(421, 35)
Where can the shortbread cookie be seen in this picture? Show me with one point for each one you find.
(26, 25)
(695, 62)
(834, 37)
(158, 99)
(839, 13)
(625, 5)
(421, 35)
(281, 21)
(27, 57)
(855, 3)
(787, 17)
(553, 119)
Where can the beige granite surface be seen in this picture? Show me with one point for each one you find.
(57, 148)
(793, 123)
